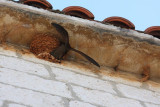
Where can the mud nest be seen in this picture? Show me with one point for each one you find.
(44, 43)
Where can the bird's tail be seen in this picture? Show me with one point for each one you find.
(86, 56)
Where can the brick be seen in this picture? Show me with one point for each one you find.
(103, 99)
(151, 105)
(28, 97)
(16, 105)
(79, 104)
(82, 80)
(33, 82)
(139, 94)
(22, 65)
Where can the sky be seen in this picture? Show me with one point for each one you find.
(142, 13)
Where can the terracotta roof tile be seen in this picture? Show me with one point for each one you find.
(119, 21)
(38, 3)
(153, 30)
(78, 12)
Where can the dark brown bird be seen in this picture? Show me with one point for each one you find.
(64, 47)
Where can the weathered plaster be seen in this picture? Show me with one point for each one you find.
(108, 45)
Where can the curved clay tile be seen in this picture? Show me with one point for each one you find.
(38, 3)
(78, 11)
(153, 30)
(120, 22)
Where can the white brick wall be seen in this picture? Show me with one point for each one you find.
(28, 82)
(104, 99)
(29, 97)
(82, 80)
(34, 82)
(24, 66)
(140, 94)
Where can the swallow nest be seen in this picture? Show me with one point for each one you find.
(44, 43)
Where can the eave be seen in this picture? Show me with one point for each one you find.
(108, 45)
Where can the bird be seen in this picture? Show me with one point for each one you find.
(64, 46)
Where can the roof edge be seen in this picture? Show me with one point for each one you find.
(61, 18)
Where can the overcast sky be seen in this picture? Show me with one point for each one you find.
(142, 13)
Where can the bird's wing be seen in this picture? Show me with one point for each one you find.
(87, 57)
(62, 32)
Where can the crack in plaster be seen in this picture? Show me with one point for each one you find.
(72, 92)
(52, 75)
(116, 90)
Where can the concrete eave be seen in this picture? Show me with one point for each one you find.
(110, 46)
